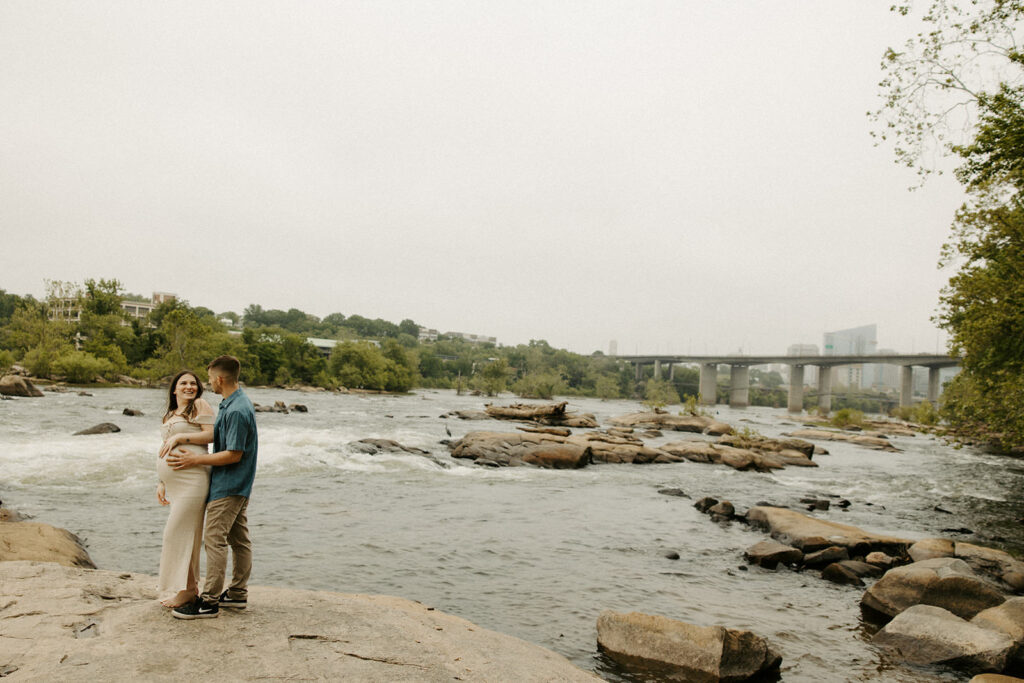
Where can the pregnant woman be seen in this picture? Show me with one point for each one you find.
(187, 416)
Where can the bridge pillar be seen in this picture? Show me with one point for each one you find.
(825, 373)
(739, 386)
(796, 388)
(709, 384)
(933, 386)
(638, 371)
(657, 369)
(672, 371)
(907, 385)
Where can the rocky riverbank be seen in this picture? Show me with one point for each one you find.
(63, 623)
(61, 619)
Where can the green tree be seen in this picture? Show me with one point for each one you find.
(958, 86)
(102, 297)
(495, 377)
(659, 393)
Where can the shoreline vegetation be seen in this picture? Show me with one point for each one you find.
(81, 336)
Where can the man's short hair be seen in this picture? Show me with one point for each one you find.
(228, 366)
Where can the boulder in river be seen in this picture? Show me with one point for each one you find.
(504, 449)
(667, 421)
(825, 557)
(811, 534)
(878, 443)
(770, 554)
(15, 385)
(132, 412)
(928, 635)
(375, 446)
(712, 653)
(945, 582)
(101, 428)
(553, 414)
(38, 542)
(837, 573)
(990, 562)
(291, 634)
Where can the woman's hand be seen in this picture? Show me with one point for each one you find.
(161, 491)
(172, 441)
(181, 459)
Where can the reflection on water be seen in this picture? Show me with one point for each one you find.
(534, 553)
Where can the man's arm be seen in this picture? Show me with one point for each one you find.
(180, 459)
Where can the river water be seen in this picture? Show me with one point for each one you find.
(529, 552)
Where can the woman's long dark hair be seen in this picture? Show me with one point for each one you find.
(172, 401)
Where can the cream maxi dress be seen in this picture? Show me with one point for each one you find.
(186, 491)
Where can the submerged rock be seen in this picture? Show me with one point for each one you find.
(101, 428)
(694, 652)
(286, 634)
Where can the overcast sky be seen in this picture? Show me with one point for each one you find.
(685, 177)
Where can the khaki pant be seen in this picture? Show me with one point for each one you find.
(226, 525)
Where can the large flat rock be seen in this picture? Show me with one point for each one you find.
(61, 623)
(810, 534)
(40, 542)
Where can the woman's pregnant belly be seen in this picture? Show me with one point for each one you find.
(188, 482)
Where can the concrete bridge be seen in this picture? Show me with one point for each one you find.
(739, 387)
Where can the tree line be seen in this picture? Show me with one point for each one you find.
(105, 342)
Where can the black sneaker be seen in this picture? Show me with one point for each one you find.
(197, 609)
(225, 601)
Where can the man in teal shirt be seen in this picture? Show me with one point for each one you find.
(233, 462)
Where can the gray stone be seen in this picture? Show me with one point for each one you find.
(285, 634)
(694, 652)
(929, 635)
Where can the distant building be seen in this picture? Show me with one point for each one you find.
(810, 371)
(885, 377)
(141, 309)
(613, 347)
(856, 341)
(427, 335)
(64, 309)
(472, 338)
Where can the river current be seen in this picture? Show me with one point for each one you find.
(529, 552)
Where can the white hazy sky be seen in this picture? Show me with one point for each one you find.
(678, 176)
